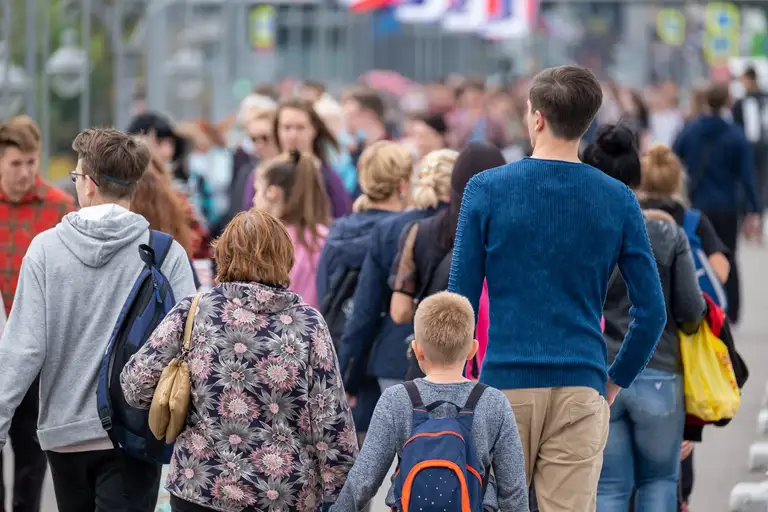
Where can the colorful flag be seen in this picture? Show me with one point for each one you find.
(421, 11)
(368, 5)
(466, 16)
(510, 18)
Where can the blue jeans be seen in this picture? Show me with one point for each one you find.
(643, 449)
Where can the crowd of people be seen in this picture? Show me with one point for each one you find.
(491, 291)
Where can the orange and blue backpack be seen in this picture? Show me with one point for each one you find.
(438, 468)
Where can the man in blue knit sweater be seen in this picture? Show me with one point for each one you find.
(546, 232)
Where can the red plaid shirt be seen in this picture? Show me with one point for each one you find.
(39, 210)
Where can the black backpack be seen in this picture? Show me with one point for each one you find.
(336, 306)
(149, 301)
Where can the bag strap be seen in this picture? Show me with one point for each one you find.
(413, 394)
(691, 220)
(161, 245)
(190, 321)
(474, 397)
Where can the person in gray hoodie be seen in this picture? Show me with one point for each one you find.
(73, 283)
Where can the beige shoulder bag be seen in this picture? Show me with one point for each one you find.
(170, 403)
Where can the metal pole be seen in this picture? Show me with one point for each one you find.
(119, 66)
(45, 111)
(7, 27)
(30, 57)
(156, 56)
(85, 95)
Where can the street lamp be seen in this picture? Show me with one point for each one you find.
(66, 67)
(13, 85)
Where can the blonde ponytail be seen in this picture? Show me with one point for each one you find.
(433, 178)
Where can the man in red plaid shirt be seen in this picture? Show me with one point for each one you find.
(28, 206)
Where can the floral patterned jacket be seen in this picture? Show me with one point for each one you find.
(269, 427)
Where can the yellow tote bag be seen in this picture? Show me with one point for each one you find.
(711, 392)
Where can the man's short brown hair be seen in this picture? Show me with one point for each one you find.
(444, 327)
(718, 95)
(568, 98)
(368, 99)
(114, 160)
(20, 132)
(255, 247)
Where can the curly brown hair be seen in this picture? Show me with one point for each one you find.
(255, 247)
(157, 201)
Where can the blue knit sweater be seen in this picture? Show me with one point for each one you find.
(547, 235)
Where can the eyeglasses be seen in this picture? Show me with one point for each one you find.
(260, 139)
(74, 175)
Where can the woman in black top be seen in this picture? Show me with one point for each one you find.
(423, 263)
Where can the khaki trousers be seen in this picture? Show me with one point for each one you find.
(563, 432)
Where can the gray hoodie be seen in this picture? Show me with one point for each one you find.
(73, 283)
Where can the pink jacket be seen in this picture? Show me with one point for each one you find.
(481, 333)
(304, 271)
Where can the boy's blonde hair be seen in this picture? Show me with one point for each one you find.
(444, 327)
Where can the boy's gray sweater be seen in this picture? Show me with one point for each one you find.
(494, 433)
(73, 283)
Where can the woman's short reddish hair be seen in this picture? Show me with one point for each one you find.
(254, 247)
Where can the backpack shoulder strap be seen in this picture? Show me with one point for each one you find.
(161, 245)
(474, 397)
(414, 395)
(691, 221)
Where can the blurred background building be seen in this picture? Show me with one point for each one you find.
(76, 63)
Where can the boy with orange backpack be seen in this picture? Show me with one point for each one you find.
(449, 433)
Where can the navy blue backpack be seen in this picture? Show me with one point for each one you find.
(438, 469)
(151, 298)
(708, 281)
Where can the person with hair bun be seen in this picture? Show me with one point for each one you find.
(642, 453)
(385, 170)
(289, 188)
(663, 188)
(373, 344)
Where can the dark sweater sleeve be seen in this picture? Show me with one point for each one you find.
(468, 265)
(649, 316)
(363, 326)
(688, 305)
(747, 172)
(323, 273)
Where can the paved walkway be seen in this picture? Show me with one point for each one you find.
(721, 460)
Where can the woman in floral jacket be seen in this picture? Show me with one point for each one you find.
(269, 427)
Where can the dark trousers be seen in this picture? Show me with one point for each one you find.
(104, 481)
(28, 459)
(686, 478)
(179, 505)
(726, 226)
